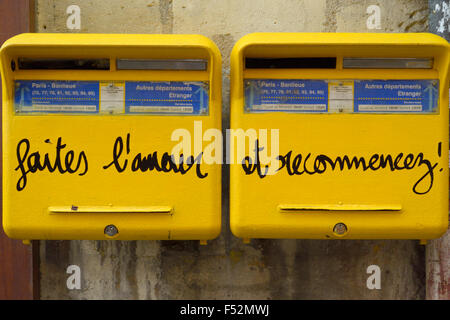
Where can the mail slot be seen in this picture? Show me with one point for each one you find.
(89, 129)
(339, 136)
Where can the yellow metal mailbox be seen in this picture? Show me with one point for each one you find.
(88, 136)
(361, 150)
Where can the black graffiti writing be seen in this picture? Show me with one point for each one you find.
(152, 162)
(319, 164)
(31, 163)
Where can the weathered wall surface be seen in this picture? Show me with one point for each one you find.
(226, 268)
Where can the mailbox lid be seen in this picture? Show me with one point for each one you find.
(371, 203)
(147, 200)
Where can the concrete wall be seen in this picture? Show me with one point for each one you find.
(226, 268)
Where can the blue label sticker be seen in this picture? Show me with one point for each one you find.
(341, 96)
(113, 97)
(180, 98)
(42, 96)
(270, 95)
(391, 96)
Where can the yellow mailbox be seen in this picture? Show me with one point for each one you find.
(345, 136)
(91, 124)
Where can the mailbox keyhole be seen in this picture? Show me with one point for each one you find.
(111, 230)
(340, 229)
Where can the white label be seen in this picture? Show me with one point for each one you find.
(340, 96)
(112, 97)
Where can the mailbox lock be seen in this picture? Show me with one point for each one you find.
(340, 229)
(111, 230)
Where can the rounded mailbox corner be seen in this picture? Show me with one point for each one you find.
(238, 230)
(213, 232)
(245, 41)
(242, 43)
(10, 231)
(438, 230)
(4, 56)
(12, 41)
(11, 44)
(210, 45)
(436, 38)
